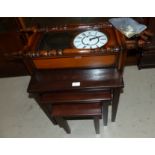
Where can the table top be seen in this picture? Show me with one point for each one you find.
(74, 79)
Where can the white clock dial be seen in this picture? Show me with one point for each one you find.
(90, 40)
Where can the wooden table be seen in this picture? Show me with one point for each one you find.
(60, 72)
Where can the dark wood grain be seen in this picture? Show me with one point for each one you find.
(61, 80)
(76, 110)
(70, 97)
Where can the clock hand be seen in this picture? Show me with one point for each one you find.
(95, 37)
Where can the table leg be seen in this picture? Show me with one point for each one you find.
(105, 113)
(115, 101)
(63, 124)
(97, 124)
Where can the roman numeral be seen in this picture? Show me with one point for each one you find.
(77, 41)
(79, 37)
(102, 38)
(84, 34)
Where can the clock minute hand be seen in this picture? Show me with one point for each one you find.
(95, 37)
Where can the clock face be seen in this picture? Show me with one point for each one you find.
(90, 40)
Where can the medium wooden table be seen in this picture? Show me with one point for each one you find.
(56, 86)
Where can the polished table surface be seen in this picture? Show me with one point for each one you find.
(62, 79)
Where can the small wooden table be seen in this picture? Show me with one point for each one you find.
(56, 86)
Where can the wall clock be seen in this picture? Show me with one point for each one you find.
(90, 40)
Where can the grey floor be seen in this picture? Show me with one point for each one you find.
(20, 116)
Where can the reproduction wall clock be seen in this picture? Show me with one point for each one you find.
(90, 39)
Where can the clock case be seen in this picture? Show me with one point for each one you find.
(52, 48)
